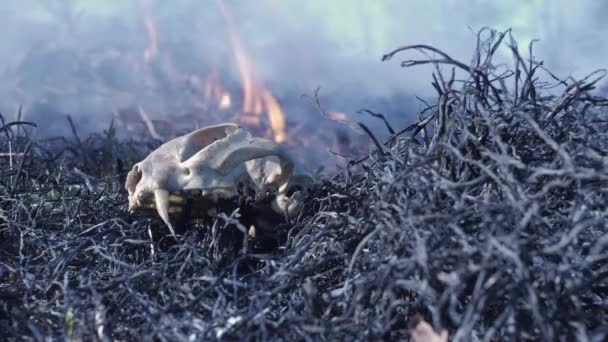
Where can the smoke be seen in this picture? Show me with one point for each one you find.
(76, 57)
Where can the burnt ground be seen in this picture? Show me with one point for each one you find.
(487, 217)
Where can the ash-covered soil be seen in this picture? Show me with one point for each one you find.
(487, 217)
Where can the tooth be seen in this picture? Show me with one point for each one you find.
(177, 199)
(209, 195)
(175, 210)
(146, 206)
(272, 178)
(222, 194)
(162, 206)
(284, 188)
(252, 231)
(214, 197)
(195, 192)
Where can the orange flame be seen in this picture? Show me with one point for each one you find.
(338, 116)
(215, 93)
(256, 99)
(275, 114)
(225, 101)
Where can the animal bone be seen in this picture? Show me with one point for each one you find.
(210, 164)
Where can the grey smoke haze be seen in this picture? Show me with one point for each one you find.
(295, 46)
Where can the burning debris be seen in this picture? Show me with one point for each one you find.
(152, 83)
(483, 220)
(256, 98)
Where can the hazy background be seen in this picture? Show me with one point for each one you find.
(76, 57)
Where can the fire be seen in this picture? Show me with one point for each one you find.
(152, 49)
(251, 120)
(275, 114)
(215, 93)
(225, 101)
(256, 98)
(338, 116)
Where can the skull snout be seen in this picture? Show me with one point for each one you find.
(133, 178)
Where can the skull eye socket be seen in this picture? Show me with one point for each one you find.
(187, 171)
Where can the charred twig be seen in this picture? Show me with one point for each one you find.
(371, 135)
(492, 229)
(381, 117)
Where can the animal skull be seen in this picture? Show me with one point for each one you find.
(212, 162)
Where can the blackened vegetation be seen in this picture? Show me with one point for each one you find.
(487, 217)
